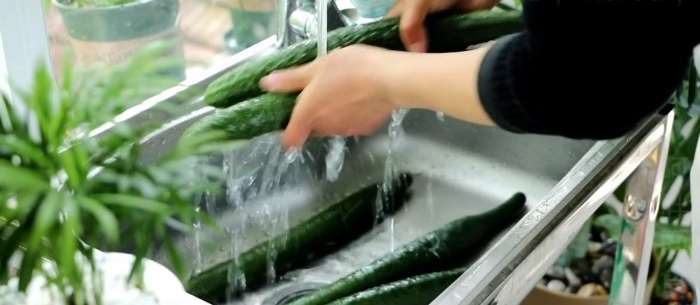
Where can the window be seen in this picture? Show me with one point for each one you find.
(201, 30)
(199, 33)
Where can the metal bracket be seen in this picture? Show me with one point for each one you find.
(641, 206)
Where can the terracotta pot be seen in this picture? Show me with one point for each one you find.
(541, 295)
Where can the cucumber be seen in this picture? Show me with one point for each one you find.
(417, 290)
(447, 32)
(254, 117)
(324, 233)
(437, 251)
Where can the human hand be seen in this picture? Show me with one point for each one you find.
(413, 13)
(341, 94)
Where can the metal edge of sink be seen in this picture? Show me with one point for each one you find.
(498, 275)
(503, 276)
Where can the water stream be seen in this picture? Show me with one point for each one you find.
(396, 134)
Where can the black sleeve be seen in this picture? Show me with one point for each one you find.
(588, 68)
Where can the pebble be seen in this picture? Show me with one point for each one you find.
(556, 272)
(606, 277)
(609, 247)
(556, 285)
(592, 289)
(594, 249)
(592, 275)
(602, 263)
(572, 278)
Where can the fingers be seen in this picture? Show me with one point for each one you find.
(413, 32)
(299, 127)
(395, 10)
(289, 80)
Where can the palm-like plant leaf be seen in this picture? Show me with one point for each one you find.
(63, 190)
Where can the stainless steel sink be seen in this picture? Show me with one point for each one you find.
(460, 169)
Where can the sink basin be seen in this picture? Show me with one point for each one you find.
(460, 169)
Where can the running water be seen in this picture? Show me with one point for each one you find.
(440, 116)
(396, 135)
(252, 174)
(336, 148)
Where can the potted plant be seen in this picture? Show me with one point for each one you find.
(671, 237)
(111, 31)
(253, 21)
(583, 274)
(65, 192)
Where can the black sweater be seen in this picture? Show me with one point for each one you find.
(588, 68)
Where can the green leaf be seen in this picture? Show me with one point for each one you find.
(20, 178)
(135, 202)
(73, 161)
(27, 149)
(47, 216)
(108, 223)
(672, 237)
(175, 258)
(31, 261)
(67, 243)
(611, 223)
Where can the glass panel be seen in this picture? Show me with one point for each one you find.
(198, 32)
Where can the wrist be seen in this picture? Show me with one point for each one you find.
(445, 82)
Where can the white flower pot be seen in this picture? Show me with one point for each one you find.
(161, 286)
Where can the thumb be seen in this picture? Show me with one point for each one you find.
(288, 80)
(412, 25)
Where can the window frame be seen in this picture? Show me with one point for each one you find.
(24, 44)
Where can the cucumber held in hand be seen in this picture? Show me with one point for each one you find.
(417, 290)
(440, 250)
(448, 33)
(251, 118)
(325, 232)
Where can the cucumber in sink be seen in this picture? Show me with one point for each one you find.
(325, 232)
(447, 32)
(417, 290)
(437, 251)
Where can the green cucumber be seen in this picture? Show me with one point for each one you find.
(447, 32)
(254, 117)
(417, 290)
(439, 250)
(324, 233)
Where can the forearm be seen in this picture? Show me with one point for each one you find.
(445, 82)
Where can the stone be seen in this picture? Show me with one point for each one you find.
(600, 290)
(556, 285)
(587, 290)
(606, 277)
(556, 272)
(602, 263)
(572, 289)
(594, 249)
(609, 247)
(572, 278)
(592, 289)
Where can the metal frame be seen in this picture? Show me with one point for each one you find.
(506, 277)
(23, 44)
(641, 206)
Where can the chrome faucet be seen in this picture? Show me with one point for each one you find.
(296, 20)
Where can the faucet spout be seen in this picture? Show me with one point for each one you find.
(297, 20)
